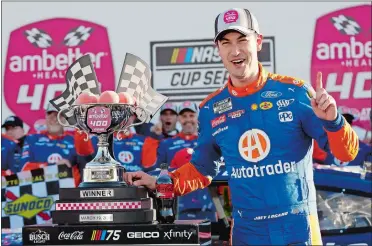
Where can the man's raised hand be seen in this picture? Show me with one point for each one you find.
(323, 104)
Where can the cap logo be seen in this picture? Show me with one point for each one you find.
(230, 16)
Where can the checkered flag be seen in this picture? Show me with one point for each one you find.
(346, 25)
(135, 79)
(38, 38)
(77, 36)
(80, 77)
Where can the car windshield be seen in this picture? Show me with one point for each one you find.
(337, 211)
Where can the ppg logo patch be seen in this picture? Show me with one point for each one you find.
(285, 116)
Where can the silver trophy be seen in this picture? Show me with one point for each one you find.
(103, 119)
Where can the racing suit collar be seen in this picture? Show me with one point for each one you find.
(187, 136)
(54, 137)
(251, 88)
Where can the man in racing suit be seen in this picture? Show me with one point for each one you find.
(263, 125)
(56, 146)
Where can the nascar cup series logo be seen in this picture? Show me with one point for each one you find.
(342, 52)
(39, 55)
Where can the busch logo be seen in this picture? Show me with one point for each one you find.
(37, 59)
(219, 120)
(342, 52)
(76, 235)
(39, 236)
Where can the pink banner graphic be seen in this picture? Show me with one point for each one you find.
(342, 52)
(38, 57)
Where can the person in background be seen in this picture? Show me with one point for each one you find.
(55, 146)
(14, 133)
(166, 127)
(326, 157)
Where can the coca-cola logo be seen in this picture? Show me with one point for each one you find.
(219, 120)
(76, 235)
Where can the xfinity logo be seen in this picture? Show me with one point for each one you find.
(173, 234)
(140, 234)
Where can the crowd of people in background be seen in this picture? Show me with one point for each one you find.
(142, 148)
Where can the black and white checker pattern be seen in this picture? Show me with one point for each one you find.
(80, 77)
(38, 38)
(135, 79)
(77, 36)
(346, 25)
(49, 187)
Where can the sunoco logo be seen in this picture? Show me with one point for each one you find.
(342, 52)
(39, 55)
(28, 206)
(192, 69)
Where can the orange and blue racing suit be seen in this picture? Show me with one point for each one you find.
(265, 134)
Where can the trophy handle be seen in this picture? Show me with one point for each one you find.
(142, 119)
(60, 121)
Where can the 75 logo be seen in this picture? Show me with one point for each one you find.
(105, 235)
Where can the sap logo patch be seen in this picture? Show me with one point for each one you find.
(236, 114)
(222, 106)
(286, 116)
(217, 121)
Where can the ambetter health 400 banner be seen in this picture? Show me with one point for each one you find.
(38, 57)
(342, 51)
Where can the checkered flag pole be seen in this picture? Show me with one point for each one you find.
(346, 25)
(135, 79)
(80, 77)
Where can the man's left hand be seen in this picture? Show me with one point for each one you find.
(323, 104)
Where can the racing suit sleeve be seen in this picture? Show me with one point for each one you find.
(149, 153)
(199, 172)
(336, 136)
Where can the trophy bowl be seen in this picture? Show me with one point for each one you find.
(103, 120)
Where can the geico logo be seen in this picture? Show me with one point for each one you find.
(50, 62)
(352, 49)
(18, 207)
(261, 171)
(139, 234)
(254, 145)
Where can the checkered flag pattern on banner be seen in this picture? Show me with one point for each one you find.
(346, 25)
(77, 36)
(32, 185)
(80, 77)
(38, 38)
(135, 79)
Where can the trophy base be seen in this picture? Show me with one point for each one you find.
(100, 193)
(102, 184)
(138, 216)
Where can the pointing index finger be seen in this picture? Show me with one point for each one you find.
(319, 81)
